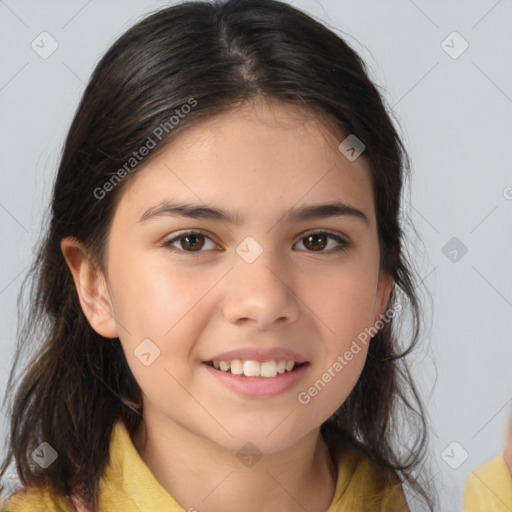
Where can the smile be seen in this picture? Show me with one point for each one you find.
(257, 379)
(252, 368)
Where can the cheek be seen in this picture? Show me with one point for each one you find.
(345, 305)
(161, 310)
(346, 302)
(331, 385)
(158, 302)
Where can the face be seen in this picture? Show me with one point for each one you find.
(260, 284)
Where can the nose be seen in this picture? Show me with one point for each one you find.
(261, 293)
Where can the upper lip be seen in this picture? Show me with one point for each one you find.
(259, 354)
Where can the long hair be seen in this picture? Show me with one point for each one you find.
(175, 67)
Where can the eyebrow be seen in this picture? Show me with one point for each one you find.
(205, 212)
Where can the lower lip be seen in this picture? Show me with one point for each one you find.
(260, 387)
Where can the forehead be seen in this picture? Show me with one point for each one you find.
(257, 158)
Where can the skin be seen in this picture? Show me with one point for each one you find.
(257, 160)
(507, 450)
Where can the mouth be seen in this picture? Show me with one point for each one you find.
(256, 369)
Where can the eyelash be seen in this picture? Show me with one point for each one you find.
(344, 244)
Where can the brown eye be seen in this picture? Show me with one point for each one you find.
(192, 241)
(317, 241)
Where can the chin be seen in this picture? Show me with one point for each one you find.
(266, 440)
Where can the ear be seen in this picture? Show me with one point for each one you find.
(383, 294)
(91, 287)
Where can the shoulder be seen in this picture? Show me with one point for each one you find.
(364, 485)
(489, 485)
(35, 499)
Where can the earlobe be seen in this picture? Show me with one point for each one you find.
(384, 289)
(91, 288)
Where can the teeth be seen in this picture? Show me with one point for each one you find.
(269, 369)
(251, 368)
(237, 367)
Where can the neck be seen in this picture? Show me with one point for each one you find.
(200, 474)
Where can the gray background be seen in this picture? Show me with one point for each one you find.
(455, 115)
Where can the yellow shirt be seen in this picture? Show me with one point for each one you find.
(129, 486)
(489, 488)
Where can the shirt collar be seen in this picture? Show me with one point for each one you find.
(129, 485)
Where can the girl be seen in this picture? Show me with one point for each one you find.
(218, 288)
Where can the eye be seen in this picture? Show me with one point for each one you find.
(317, 241)
(314, 241)
(190, 241)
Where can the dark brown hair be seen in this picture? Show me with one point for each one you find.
(213, 55)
